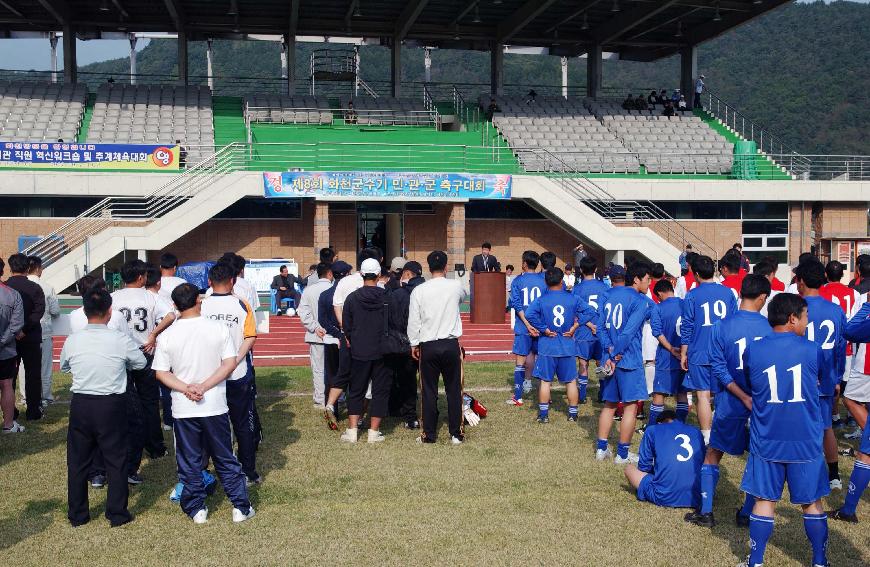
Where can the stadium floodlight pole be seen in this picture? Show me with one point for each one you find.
(427, 62)
(52, 40)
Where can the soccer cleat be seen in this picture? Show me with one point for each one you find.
(572, 418)
(617, 418)
(542, 419)
(175, 495)
(837, 424)
(424, 440)
(527, 386)
(134, 478)
(641, 429)
(454, 440)
(843, 517)
(855, 434)
(836, 484)
(741, 520)
(631, 458)
(745, 563)
(411, 424)
(15, 428)
(329, 416)
(375, 436)
(515, 402)
(239, 516)
(98, 481)
(350, 435)
(602, 454)
(201, 517)
(703, 520)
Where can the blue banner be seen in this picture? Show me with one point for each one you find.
(371, 184)
(97, 156)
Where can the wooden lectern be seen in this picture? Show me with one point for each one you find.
(488, 298)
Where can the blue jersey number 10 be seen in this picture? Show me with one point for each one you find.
(530, 294)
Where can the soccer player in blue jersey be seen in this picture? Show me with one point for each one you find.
(557, 315)
(785, 428)
(825, 328)
(704, 305)
(621, 332)
(730, 432)
(590, 291)
(526, 287)
(668, 472)
(857, 330)
(665, 321)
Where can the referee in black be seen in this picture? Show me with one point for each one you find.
(98, 358)
(434, 328)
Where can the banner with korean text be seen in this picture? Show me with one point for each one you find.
(371, 184)
(140, 157)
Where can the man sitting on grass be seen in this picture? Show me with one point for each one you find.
(669, 471)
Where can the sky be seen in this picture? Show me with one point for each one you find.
(36, 53)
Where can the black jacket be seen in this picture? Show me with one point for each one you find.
(33, 301)
(400, 305)
(280, 281)
(326, 314)
(491, 264)
(363, 322)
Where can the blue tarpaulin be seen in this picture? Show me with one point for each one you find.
(195, 273)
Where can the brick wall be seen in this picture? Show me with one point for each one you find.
(720, 235)
(798, 231)
(12, 228)
(510, 238)
(844, 220)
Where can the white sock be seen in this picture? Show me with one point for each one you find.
(706, 434)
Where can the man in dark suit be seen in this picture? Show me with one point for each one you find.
(284, 285)
(485, 261)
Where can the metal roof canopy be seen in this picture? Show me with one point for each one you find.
(638, 30)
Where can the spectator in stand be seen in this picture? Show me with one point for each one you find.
(699, 90)
(492, 109)
(662, 98)
(682, 106)
(628, 103)
(675, 98)
(652, 99)
(640, 103)
(350, 116)
(531, 96)
(684, 264)
(669, 109)
(744, 261)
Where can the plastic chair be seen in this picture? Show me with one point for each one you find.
(273, 303)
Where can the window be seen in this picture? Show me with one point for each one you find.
(765, 211)
(688, 210)
(259, 208)
(488, 210)
(45, 206)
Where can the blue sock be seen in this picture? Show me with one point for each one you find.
(602, 445)
(622, 450)
(654, 411)
(544, 410)
(709, 479)
(582, 383)
(760, 530)
(748, 505)
(519, 378)
(572, 411)
(816, 526)
(682, 411)
(857, 483)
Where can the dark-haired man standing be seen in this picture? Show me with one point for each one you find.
(29, 339)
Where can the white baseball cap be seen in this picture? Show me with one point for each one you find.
(370, 266)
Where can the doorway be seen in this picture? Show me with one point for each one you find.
(381, 225)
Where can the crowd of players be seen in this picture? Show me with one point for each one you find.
(772, 363)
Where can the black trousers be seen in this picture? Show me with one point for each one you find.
(240, 401)
(148, 392)
(30, 355)
(341, 379)
(441, 358)
(135, 429)
(361, 373)
(330, 366)
(403, 394)
(280, 295)
(97, 423)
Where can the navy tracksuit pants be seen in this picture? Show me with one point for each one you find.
(240, 400)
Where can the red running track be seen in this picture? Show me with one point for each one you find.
(284, 345)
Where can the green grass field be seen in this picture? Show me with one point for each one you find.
(517, 493)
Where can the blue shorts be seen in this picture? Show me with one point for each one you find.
(729, 434)
(524, 345)
(668, 381)
(826, 406)
(807, 482)
(864, 447)
(624, 386)
(649, 491)
(563, 367)
(588, 350)
(700, 377)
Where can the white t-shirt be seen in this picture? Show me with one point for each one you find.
(245, 289)
(162, 307)
(78, 321)
(238, 317)
(345, 287)
(139, 308)
(167, 284)
(193, 349)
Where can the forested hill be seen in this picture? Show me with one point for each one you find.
(802, 70)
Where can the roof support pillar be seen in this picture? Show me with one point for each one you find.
(182, 57)
(427, 63)
(132, 39)
(593, 70)
(209, 63)
(290, 56)
(564, 63)
(52, 40)
(496, 69)
(70, 64)
(396, 68)
(688, 70)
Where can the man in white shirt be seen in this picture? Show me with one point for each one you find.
(77, 318)
(52, 312)
(141, 311)
(314, 332)
(168, 280)
(234, 312)
(194, 358)
(434, 328)
(165, 309)
(98, 358)
(699, 90)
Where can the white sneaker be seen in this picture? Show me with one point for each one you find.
(836, 484)
(201, 517)
(238, 516)
(375, 436)
(515, 402)
(16, 428)
(350, 435)
(456, 440)
(855, 434)
(631, 458)
(602, 454)
(527, 386)
(167, 427)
